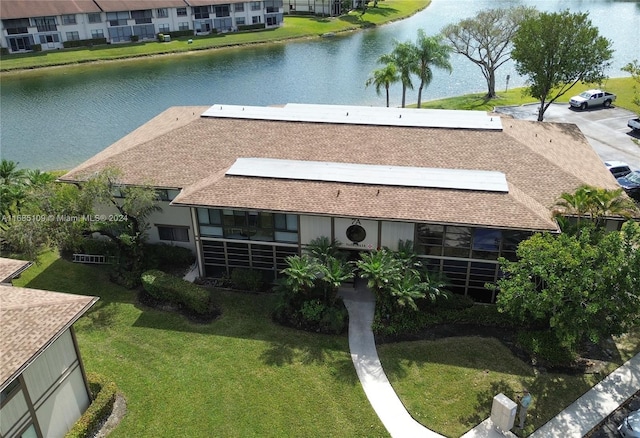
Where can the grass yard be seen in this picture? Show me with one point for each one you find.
(244, 376)
(294, 27)
(622, 87)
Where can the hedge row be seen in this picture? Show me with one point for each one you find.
(165, 287)
(251, 26)
(84, 43)
(104, 396)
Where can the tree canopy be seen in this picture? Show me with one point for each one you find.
(579, 285)
(633, 68)
(486, 38)
(556, 50)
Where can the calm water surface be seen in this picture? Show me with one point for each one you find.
(58, 119)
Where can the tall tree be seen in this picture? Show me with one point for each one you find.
(580, 286)
(403, 57)
(486, 38)
(556, 51)
(127, 229)
(383, 78)
(633, 68)
(429, 51)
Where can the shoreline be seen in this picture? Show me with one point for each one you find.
(193, 51)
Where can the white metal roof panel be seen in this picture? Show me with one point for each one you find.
(359, 115)
(459, 179)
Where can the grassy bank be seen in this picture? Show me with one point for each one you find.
(622, 87)
(294, 27)
(243, 375)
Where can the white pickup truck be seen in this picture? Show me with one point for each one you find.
(634, 124)
(590, 98)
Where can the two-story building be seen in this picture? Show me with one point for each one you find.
(248, 186)
(48, 24)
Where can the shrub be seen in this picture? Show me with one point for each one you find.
(546, 346)
(36, 47)
(312, 310)
(160, 37)
(84, 43)
(251, 26)
(99, 247)
(247, 279)
(174, 290)
(181, 33)
(104, 394)
(451, 301)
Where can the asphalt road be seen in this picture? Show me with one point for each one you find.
(605, 128)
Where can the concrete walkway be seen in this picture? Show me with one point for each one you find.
(575, 421)
(360, 303)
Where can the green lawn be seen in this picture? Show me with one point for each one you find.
(244, 376)
(294, 27)
(622, 87)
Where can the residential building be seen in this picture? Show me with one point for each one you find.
(43, 387)
(49, 24)
(330, 8)
(248, 186)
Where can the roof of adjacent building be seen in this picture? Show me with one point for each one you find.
(11, 268)
(181, 149)
(39, 8)
(31, 321)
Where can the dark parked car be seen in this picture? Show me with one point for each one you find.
(617, 168)
(631, 184)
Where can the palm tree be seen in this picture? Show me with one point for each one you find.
(10, 174)
(334, 272)
(384, 77)
(403, 57)
(36, 178)
(595, 204)
(430, 51)
(301, 273)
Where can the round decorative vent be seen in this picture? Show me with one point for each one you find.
(356, 233)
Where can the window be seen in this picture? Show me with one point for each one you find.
(45, 24)
(49, 38)
(256, 6)
(240, 21)
(272, 5)
(248, 225)
(13, 386)
(429, 239)
(184, 25)
(174, 234)
(163, 28)
(162, 13)
(69, 19)
(95, 17)
(118, 18)
(167, 194)
(73, 36)
(272, 21)
(222, 11)
(200, 12)
(16, 26)
(457, 241)
(142, 17)
(486, 243)
(238, 7)
(97, 33)
(182, 12)
(256, 20)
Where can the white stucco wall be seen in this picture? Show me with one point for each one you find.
(312, 227)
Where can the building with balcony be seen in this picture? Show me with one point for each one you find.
(249, 186)
(49, 24)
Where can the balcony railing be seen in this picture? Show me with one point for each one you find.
(47, 27)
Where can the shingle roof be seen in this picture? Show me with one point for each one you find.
(9, 268)
(133, 5)
(31, 320)
(39, 8)
(180, 149)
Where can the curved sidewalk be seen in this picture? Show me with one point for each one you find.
(360, 304)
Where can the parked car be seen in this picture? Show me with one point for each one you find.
(591, 98)
(634, 124)
(631, 184)
(630, 427)
(618, 168)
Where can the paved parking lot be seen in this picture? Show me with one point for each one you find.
(605, 128)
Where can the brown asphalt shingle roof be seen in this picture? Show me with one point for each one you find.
(179, 149)
(31, 320)
(39, 8)
(9, 268)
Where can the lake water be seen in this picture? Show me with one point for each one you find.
(58, 118)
